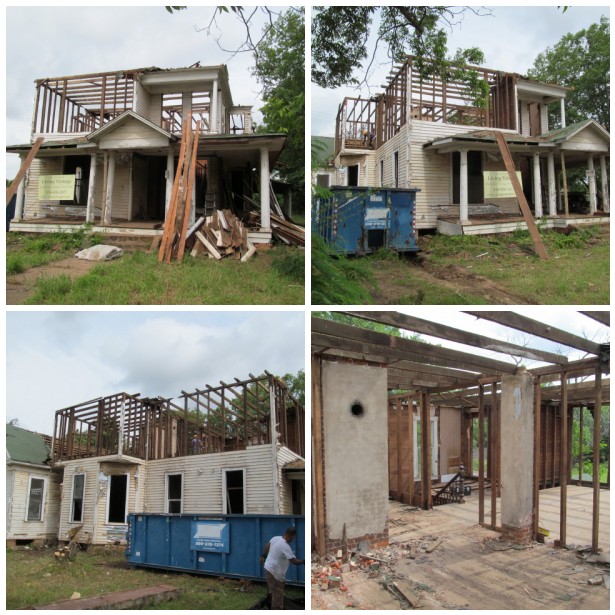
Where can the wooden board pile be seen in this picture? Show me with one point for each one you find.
(173, 243)
(283, 230)
(220, 235)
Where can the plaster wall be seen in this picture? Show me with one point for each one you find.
(517, 450)
(356, 473)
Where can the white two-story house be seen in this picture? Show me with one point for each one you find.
(111, 144)
(429, 133)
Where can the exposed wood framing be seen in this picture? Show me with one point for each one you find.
(318, 481)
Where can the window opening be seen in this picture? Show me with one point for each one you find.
(36, 493)
(117, 498)
(78, 495)
(174, 494)
(234, 492)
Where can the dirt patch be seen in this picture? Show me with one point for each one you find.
(20, 287)
(458, 280)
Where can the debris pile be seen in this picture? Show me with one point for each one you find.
(220, 235)
(285, 231)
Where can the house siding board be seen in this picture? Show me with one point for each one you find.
(20, 529)
(285, 456)
(202, 480)
(132, 134)
(141, 102)
(34, 208)
(386, 153)
(154, 111)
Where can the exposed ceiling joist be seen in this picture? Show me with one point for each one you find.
(603, 318)
(334, 334)
(425, 327)
(534, 327)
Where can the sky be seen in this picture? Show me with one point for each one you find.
(56, 359)
(58, 41)
(510, 38)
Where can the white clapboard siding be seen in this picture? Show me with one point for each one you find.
(89, 467)
(387, 153)
(132, 134)
(589, 139)
(154, 111)
(525, 119)
(18, 480)
(141, 102)
(46, 166)
(285, 456)
(202, 480)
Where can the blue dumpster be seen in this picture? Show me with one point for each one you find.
(220, 545)
(360, 220)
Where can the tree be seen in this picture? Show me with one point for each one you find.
(296, 385)
(581, 62)
(340, 41)
(280, 68)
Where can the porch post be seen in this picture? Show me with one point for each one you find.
(109, 194)
(21, 189)
(537, 187)
(463, 186)
(169, 177)
(551, 179)
(562, 106)
(591, 176)
(89, 210)
(604, 184)
(264, 190)
(213, 108)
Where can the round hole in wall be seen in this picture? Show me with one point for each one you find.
(357, 409)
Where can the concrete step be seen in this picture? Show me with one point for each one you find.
(129, 599)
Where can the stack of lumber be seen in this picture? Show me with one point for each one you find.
(173, 241)
(220, 235)
(283, 230)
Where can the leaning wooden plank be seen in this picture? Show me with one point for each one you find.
(248, 255)
(169, 222)
(12, 189)
(210, 248)
(182, 239)
(539, 246)
(195, 227)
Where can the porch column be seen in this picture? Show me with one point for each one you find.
(170, 176)
(463, 186)
(213, 108)
(89, 210)
(264, 190)
(517, 449)
(21, 191)
(551, 180)
(537, 187)
(562, 106)
(109, 194)
(591, 176)
(604, 185)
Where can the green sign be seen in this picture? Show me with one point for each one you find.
(497, 184)
(56, 187)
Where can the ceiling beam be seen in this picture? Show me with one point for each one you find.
(327, 332)
(534, 327)
(603, 318)
(419, 325)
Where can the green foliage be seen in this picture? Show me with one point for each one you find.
(336, 279)
(280, 68)
(290, 262)
(296, 385)
(340, 43)
(580, 61)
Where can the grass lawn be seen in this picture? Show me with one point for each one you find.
(33, 577)
(467, 270)
(274, 276)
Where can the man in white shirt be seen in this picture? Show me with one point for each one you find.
(277, 556)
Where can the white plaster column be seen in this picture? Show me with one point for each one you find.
(517, 456)
(109, 195)
(591, 176)
(213, 108)
(604, 183)
(463, 186)
(89, 210)
(537, 187)
(170, 176)
(21, 191)
(264, 190)
(562, 106)
(551, 180)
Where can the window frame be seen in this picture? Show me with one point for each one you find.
(166, 493)
(43, 499)
(72, 499)
(125, 522)
(225, 471)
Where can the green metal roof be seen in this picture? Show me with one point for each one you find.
(26, 446)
